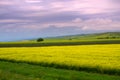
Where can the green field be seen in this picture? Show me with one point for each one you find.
(85, 39)
(23, 71)
(59, 43)
(90, 58)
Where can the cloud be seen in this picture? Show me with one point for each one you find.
(33, 1)
(84, 6)
(91, 24)
(41, 16)
(14, 21)
(77, 20)
(45, 7)
(5, 3)
(99, 24)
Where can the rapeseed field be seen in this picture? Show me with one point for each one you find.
(91, 58)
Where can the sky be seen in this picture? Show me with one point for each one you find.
(24, 19)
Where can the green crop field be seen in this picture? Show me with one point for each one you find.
(90, 58)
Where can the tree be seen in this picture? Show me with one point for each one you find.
(40, 39)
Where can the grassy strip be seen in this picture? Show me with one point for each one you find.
(46, 73)
(95, 69)
(66, 43)
(6, 75)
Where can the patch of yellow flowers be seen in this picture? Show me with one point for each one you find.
(104, 56)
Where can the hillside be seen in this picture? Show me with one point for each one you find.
(106, 35)
(77, 37)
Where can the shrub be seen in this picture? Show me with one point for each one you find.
(40, 39)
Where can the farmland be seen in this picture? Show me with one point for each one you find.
(59, 43)
(90, 58)
(62, 58)
(86, 39)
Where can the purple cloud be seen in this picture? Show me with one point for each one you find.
(35, 16)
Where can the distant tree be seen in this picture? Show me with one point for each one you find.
(40, 39)
(70, 38)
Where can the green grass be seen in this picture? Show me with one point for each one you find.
(23, 71)
(59, 43)
(103, 59)
(6, 75)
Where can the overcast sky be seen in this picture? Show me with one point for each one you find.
(20, 19)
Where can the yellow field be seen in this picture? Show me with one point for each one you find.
(102, 57)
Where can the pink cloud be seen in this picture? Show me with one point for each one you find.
(14, 21)
(84, 7)
(33, 1)
(90, 24)
(6, 2)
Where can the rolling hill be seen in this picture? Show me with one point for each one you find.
(106, 35)
(79, 37)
